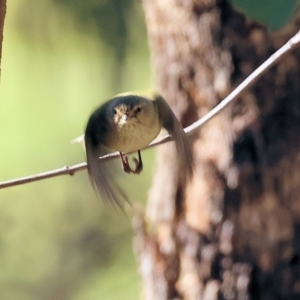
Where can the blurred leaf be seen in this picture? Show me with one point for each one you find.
(273, 13)
(111, 22)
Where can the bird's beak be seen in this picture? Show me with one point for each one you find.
(124, 117)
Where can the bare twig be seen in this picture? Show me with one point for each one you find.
(252, 78)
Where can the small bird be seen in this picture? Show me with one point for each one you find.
(128, 123)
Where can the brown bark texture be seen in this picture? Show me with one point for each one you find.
(2, 17)
(234, 231)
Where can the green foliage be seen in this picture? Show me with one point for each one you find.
(110, 18)
(273, 13)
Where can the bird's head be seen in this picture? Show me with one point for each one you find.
(133, 110)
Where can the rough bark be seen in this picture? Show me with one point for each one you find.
(234, 231)
(2, 16)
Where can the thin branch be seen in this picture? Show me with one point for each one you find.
(252, 78)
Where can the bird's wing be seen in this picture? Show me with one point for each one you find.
(102, 175)
(174, 128)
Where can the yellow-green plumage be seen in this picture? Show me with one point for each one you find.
(132, 130)
(126, 123)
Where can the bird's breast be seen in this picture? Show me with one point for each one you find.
(131, 136)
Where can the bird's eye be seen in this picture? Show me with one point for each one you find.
(115, 111)
(139, 109)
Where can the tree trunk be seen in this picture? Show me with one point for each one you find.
(234, 231)
(2, 16)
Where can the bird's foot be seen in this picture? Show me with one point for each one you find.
(138, 166)
(125, 164)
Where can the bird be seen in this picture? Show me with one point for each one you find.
(126, 123)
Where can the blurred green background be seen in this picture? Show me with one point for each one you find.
(61, 59)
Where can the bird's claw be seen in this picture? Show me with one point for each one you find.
(128, 169)
(138, 166)
(125, 165)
